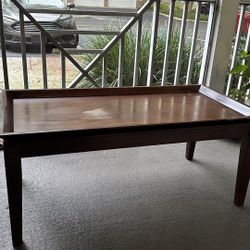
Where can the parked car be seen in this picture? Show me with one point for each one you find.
(48, 21)
(246, 21)
(205, 8)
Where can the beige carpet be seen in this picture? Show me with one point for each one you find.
(143, 198)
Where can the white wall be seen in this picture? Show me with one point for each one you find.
(91, 3)
(122, 3)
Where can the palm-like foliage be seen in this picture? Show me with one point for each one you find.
(101, 41)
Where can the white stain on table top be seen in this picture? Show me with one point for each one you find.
(99, 113)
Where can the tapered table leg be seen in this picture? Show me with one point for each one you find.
(14, 188)
(190, 147)
(243, 173)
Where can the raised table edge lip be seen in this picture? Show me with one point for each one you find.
(10, 95)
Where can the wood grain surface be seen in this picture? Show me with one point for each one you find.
(49, 114)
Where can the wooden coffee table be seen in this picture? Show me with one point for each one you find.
(47, 122)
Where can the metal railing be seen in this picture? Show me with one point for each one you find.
(241, 43)
(119, 38)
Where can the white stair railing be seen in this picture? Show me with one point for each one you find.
(119, 37)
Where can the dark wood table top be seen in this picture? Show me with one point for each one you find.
(60, 110)
(47, 114)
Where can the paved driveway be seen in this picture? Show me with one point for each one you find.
(100, 23)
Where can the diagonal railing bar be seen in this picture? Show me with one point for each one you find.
(114, 41)
(54, 41)
(123, 31)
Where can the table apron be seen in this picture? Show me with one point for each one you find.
(38, 145)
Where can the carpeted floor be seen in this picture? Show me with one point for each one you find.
(140, 199)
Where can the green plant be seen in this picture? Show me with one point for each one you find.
(241, 70)
(101, 41)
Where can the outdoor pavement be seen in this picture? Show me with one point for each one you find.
(101, 22)
(146, 198)
(34, 65)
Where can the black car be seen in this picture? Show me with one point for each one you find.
(48, 21)
(205, 8)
